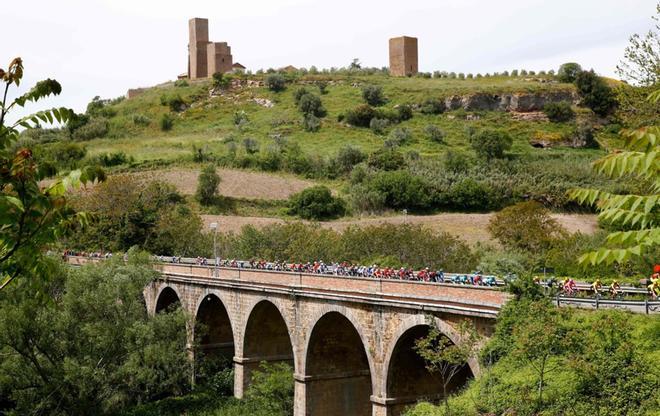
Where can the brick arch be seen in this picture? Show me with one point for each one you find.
(338, 371)
(399, 352)
(281, 307)
(318, 313)
(222, 328)
(166, 287)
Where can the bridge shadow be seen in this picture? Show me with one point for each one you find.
(338, 378)
(408, 379)
(214, 341)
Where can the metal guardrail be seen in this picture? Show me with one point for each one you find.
(646, 306)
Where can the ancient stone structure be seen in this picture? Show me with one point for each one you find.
(349, 340)
(205, 58)
(403, 56)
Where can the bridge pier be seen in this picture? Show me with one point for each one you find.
(245, 366)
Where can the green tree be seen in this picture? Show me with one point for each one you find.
(595, 93)
(640, 213)
(541, 339)
(89, 346)
(641, 60)
(316, 203)
(207, 185)
(568, 72)
(491, 144)
(525, 226)
(445, 357)
(31, 216)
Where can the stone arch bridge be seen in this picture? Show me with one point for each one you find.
(349, 340)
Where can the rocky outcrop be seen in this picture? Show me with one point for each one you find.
(518, 102)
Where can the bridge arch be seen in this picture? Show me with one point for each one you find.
(405, 377)
(168, 297)
(267, 337)
(213, 333)
(338, 371)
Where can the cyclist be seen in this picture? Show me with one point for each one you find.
(596, 286)
(615, 289)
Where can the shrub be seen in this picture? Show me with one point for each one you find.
(386, 159)
(525, 226)
(360, 116)
(141, 120)
(468, 194)
(94, 128)
(180, 83)
(311, 123)
(298, 94)
(310, 104)
(349, 156)
(568, 72)
(400, 135)
(114, 159)
(456, 162)
(275, 82)
(174, 102)
(322, 86)
(65, 154)
(379, 125)
(207, 185)
(405, 112)
(166, 122)
(491, 144)
(402, 189)
(316, 203)
(221, 80)
(595, 93)
(250, 145)
(514, 73)
(584, 132)
(373, 95)
(434, 133)
(240, 118)
(559, 112)
(432, 106)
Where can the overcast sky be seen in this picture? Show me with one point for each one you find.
(104, 47)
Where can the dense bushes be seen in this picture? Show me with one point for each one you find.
(401, 189)
(396, 245)
(559, 112)
(432, 106)
(275, 82)
(316, 203)
(94, 128)
(491, 144)
(360, 116)
(373, 95)
(311, 104)
(595, 93)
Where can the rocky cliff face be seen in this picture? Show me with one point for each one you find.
(519, 102)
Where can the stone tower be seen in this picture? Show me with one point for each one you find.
(218, 56)
(197, 48)
(403, 56)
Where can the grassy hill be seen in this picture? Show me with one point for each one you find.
(209, 121)
(248, 127)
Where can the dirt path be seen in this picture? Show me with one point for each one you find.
(470, 227)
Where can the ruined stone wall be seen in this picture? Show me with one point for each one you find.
(403, 56)
(219, 58)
